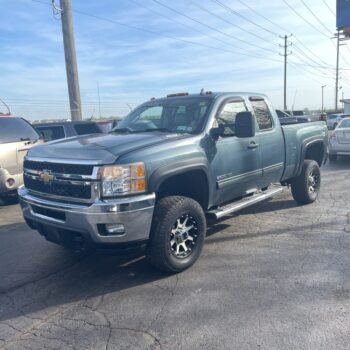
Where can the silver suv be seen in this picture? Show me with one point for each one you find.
(17, 136)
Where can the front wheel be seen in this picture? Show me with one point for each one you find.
(306, 186)
(177, 235)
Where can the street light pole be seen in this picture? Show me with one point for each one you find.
(337, 74)
(322, 87)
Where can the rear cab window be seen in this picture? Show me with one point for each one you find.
(262, 113)
(84, 129)
(16, 129)
(50, 133)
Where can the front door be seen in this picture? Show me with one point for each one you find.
(235, 162)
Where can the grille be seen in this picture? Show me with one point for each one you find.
(73, 169)
(58, 189)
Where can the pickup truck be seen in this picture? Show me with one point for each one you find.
(169, 165)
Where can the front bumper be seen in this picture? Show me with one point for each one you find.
(5, 186)
(89, 221)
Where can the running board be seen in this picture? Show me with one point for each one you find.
(243, 203)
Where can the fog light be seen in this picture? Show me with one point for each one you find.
(10, 182)
(115, 229)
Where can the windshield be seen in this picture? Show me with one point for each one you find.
(345, 123)
(178, 115)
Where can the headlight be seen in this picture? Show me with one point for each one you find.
(123, 179)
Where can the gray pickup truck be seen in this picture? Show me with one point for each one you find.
(168, 166)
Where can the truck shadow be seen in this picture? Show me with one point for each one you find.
(85, 278)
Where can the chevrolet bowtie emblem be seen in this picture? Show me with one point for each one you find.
(46, 177)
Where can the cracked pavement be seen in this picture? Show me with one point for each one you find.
(274, 276)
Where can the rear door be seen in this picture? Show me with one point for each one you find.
(270, 139)
(235, 162)
(16, 137)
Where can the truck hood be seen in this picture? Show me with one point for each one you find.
(99, 148)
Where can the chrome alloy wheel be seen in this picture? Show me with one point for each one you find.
(313, 182)
(183, 236)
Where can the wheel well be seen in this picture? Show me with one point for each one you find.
(315, 152)
(192, 184)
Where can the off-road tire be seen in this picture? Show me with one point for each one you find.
(160, 253)
(305, 190)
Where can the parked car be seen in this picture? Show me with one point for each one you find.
(285, 118)
(59, 130)
(323, 117)
(339, 140)
(107, 126)
(334, 119)
(167, 166)
(17, 136)
(296, 113)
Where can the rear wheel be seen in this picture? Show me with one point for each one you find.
(306, 186)
(178, 232)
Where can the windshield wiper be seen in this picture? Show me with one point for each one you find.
(157, 129)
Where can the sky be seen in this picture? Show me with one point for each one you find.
(132, 50)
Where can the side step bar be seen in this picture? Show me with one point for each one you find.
(243, 203)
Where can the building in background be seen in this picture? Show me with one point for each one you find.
(346, 103)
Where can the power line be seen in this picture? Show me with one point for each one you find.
(228, 8)
(210, 27)
(317, 19)
(331, 11)
(303, 72)
(281, 28)
(229, 22)
(304, 19)
(183, 24)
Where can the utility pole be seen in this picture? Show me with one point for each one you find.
(286, 54)
(337, 74)
(322, 87)
(70, 58)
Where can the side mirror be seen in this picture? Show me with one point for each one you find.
(215, 133)
(245, 124)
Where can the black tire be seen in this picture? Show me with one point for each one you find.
(332, 157)
(9, 198)
(306, 186)
(166, 235)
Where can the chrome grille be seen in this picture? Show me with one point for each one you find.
(58, 188)
(61, 180)
(58, 168)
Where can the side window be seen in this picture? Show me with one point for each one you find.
(51, 132)
(262, 114)
(227, 116)
(152, 114)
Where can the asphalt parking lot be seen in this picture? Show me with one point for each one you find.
(275, 276)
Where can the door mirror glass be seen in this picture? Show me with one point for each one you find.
(245, 124)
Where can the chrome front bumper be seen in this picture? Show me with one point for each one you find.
(134, 213)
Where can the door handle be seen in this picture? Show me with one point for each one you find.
(253, 145)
